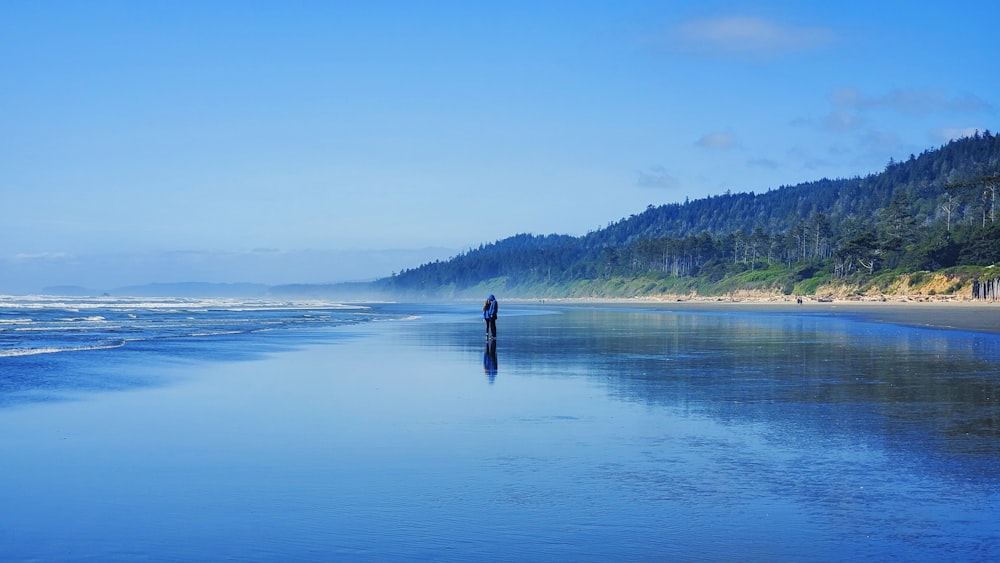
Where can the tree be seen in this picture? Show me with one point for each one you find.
(819, 225)
(990, 184)
(897, 218)
(949, 207)
(862, 249)
(982, 187)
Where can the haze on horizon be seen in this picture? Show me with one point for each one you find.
(320, 141)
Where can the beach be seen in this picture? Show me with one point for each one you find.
(976, 316)
(586, 431)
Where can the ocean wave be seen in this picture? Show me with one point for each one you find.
(66, 328)
(57, 325)
(213, 333)
(171, 303)
(55, 350)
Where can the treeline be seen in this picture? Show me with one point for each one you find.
(929, 212)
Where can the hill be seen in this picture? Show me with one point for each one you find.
(932, 213)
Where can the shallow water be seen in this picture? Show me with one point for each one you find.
(587, 433)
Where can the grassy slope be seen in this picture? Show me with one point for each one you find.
(775, 282)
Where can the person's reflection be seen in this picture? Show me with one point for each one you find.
(490, 360)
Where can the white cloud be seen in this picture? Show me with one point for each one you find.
(842, 121)
(744, 37)
(656, 177)
(717, 141)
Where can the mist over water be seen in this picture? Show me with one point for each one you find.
(582, 433)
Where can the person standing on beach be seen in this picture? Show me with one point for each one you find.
(490, 316)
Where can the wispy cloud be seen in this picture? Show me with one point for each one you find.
(879, 142)
(763, 163)
(855, 112)
(842, 121)
(911, 102)
(807, 159)
(656, 177)
(41, 257)
(744, 37)
(717, 141)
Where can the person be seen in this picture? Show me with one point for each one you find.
(490, 316)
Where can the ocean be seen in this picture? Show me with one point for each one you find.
(55, 345)
(205, 430)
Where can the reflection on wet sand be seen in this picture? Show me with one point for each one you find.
(915, 389)
(490, 360)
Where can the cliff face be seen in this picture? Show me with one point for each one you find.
(952, 286)
(920, 286)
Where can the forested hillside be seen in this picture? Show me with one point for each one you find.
(932, 212)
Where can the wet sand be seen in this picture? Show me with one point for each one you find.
(953, 315)
(594, 437)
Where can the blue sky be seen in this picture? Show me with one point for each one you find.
(280, 142)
